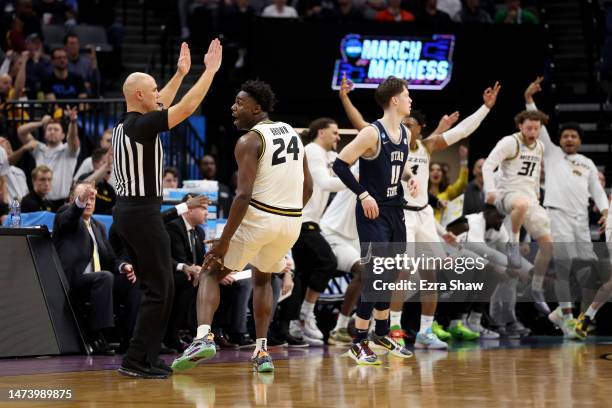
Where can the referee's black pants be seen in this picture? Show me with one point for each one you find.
(140, 224)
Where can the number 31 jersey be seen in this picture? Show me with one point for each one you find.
(520, 171)
(280, 171)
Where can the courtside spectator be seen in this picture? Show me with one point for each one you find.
(58, 156)
(36, 200)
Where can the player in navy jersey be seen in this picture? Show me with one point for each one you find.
(382, 150)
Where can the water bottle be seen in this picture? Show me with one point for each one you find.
(15, 214)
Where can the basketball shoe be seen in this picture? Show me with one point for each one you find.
(198, 351)
(428, 340)
(363, 354)
(262, 362)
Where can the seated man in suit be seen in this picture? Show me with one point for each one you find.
(187, 248)
(93, 270)
(198, 203)
(106, 196)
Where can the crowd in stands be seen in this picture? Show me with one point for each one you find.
(38, 65)
(76, 185)
(431, 13)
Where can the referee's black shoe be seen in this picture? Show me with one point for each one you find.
(161, 364)
(131, 368)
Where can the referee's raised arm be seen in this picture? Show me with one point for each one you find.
(138, 169)
(194, 97)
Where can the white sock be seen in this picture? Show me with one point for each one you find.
(454, 323)
(464, 317)
(203, 330)
(591, 312)
(537, 284)
(515, 237)
(396, 318)
(568, 316)
(307, 309)
(261, 344)
(475, 318)
(343, 322)
(426, 322)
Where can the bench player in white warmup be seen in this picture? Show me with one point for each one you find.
(516, 193)
(570, 179)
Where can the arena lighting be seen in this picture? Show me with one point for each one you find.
(425, 62)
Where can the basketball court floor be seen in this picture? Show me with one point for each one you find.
(533, 372)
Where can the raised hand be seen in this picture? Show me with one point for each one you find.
(72, 113)
(184, 62)
(45, 120)
(463, 153)
(346, 86)
(533, 88)
(198, 201)
(490, 95)
(447, 122)
(88, 193)
(212, 59)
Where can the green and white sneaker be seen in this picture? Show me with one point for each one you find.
(262, 362)
(439, 331)
(198, 351)
(340, 337)
(460, 332)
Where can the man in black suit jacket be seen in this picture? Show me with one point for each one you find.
(187, 249)
(93, 270)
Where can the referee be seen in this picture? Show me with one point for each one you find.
(138, 168)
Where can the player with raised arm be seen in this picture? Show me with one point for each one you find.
(420, 221)
(381, 149)
(516, 193)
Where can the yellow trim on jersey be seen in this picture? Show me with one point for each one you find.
(263, 143)
(518, 147)
(287, 212)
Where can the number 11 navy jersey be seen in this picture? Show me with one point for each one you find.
(381, 175)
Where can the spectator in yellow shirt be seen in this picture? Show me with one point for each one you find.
(440, 186)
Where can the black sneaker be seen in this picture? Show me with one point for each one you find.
(132, 368)
(243, 340)
(276, 342)
(161, 364)
(100, 346)
(294, 342)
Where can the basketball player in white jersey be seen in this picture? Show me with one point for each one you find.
(339, 228)
(264, 221)
(420, 222)
(419, 218)
(570, 179)
(315, 262)
(515, 192)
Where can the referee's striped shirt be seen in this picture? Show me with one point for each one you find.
(138, 157)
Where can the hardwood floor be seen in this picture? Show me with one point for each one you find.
(571, 374)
